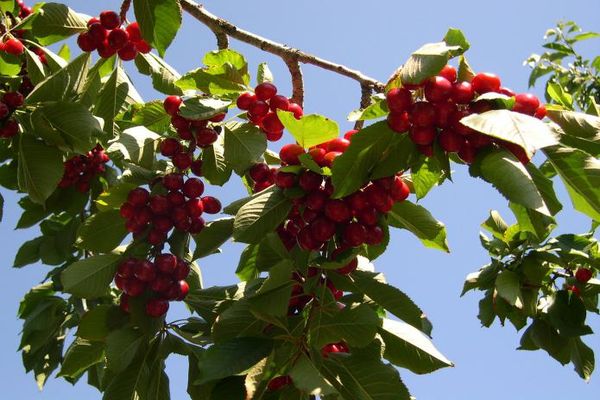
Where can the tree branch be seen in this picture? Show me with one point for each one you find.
(297, 81)
(124, 8)
(365, 101)
(217, 24)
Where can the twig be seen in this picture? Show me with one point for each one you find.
(124, 8)
(285, 52)
(365, 101)
(297, 81)
(222, 39)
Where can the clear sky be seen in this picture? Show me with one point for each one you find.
(374, 37)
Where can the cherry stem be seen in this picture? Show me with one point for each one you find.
(124, 8)
(365, 101)
(297, 81)
(221, 26)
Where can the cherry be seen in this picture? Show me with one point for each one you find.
(316, 201)
(166, 263)
(449, 72)
(124, 302)
(193, 188)
(162, 223)
(310, 181)
(218, 118)
(14, 47)
(176, 198)
(479, 140)
(422, 135)
(348, 268)
(318, 155)
(340, 347)
(279, 102)
(399, 100)
(518, 152)
(128, 52)
(138, 197)
(279, 382)
(462, 93)
(306, 240)
(179, 122)
(13, 99)
(171, 105)
(423, 114)
(583, 275)
(205, 137)
(485, 82)
(245, 100)
(133, 30)
(173, 181)
(182, 161)
(374, 235)
(450, 141)
(157, 307)
(348, 135)
(10, 129)
(104, 50)
(526, 103)
(541, 112)
(182, 270)
(265, 91)
(367, 216)
(194, 208)
(289, 153)
(443, 114)
(97, 33)
(458, 126)
(337, 210)
(92, 21)
(274, 136)
(260, 172)
(467, 153)
(4, 110)
(296, 109)
(86, 42)
(159, 205)
(134, 287)
(259, 109)
(437, 89)
(322, 229)
(110, 19)
(285, 180)
(117, 38)
(399, 190)
(355, 234)
(330, 157)
(399, 122)
(506, 91)
(271, 124)
(126, 269)
(184, 289)
(127, 210)
(338, 144)
(144, 271)
(211, 205)
(143, 215)
(143, 47)
(358, 201)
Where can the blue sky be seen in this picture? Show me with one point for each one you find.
(374, 37)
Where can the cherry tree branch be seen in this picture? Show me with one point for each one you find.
(217, 24)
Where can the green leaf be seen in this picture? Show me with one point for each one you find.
(102, 232)
(351, 170)
(408, 347)
(465, 72)
(121, 348)
(203, 107)
(455, 37)
(309, 130)
(541, 335)
(567, 314)
(214, 168)
(362, 376)
(244, 146)
(90, 277)
(56, 22)
(356, 326)
(419, 221)
(583, 358)
(527, 132)
(577, 124)
(307, 378)
(247, 268)
(392, 299)
(117, 93)
(164, 77)
(35, 68)
(8, 6)
(399, 155)
(273, 296)
(95, 324)
(260, 216)
(495, 225)
(560, 96)
(508, 286)
(214, 234)
(137, 145)
(40, 168)
(426, 173)
(28, 253)
(502, 169)
(231, 357)
(131, 384)
(159, 21)
(581, 175)
(152, 115)
(9, 65)
(114, 196)
(80, 356)
(264, 74)
(236, 321)
(66, 124)
(427, 62)
(377, 109)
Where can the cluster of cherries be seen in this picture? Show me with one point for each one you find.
(9, 126)
(431, 111)
(12, 46)
(179, 206)
(24, 11)
(82, 169)
(262, 106)
(582, 276)
(197, 133)
(106, 35)
(163, 280)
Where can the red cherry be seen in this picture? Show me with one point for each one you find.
(124, 302)
(437, 89)
(182, 270)
(171, 105)
(355, 234)
(184, 289)
(166, 263)
(175, 198)
(583, 275)
(526, 103)
(289, 153)
(399, 190)
(138, 197)
(13, 100)
(285, 180)
(486, 82)
(272, 124)
(279, 102)
(374, 235)
(259, 109)
(194, 208)
(506, 91)
(134, 287)
(110, 20)
(330, 157)
(449, 72)
(205, 137)
(127, 210)
(211, 205)
(4, 110)
(457, 126)
(367, 216)
(117, 38)
(443, 114)
(348, 135)
(173, 181)
(422, 135)
(306, 240)
(310, 181)
(182, 161)
(423, 114)
(14, 47)
(143, 47)
(467, 153)
(92, 21)
(462, 93)
(157, 307)
(337, 210)
(518, 152)
(127, 268)
(316, 201)
(479, 140)
(260, 172)
(322, 229)
(399, 100)
(144, 271)
(399, 122)
(338, 144)
(541, 112)
(133, 30)
(193, 188)
(348, 268)
(279, 382)
(218, 118)
(450, 141)
(159, 205)
(265, 91)
(162, 224)
(245, 100)
(97, 33)
(296, 109)
(274, 136)
(128, 52)
(318, 155)
(86, 42)
(104, 50)
(179, 122)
